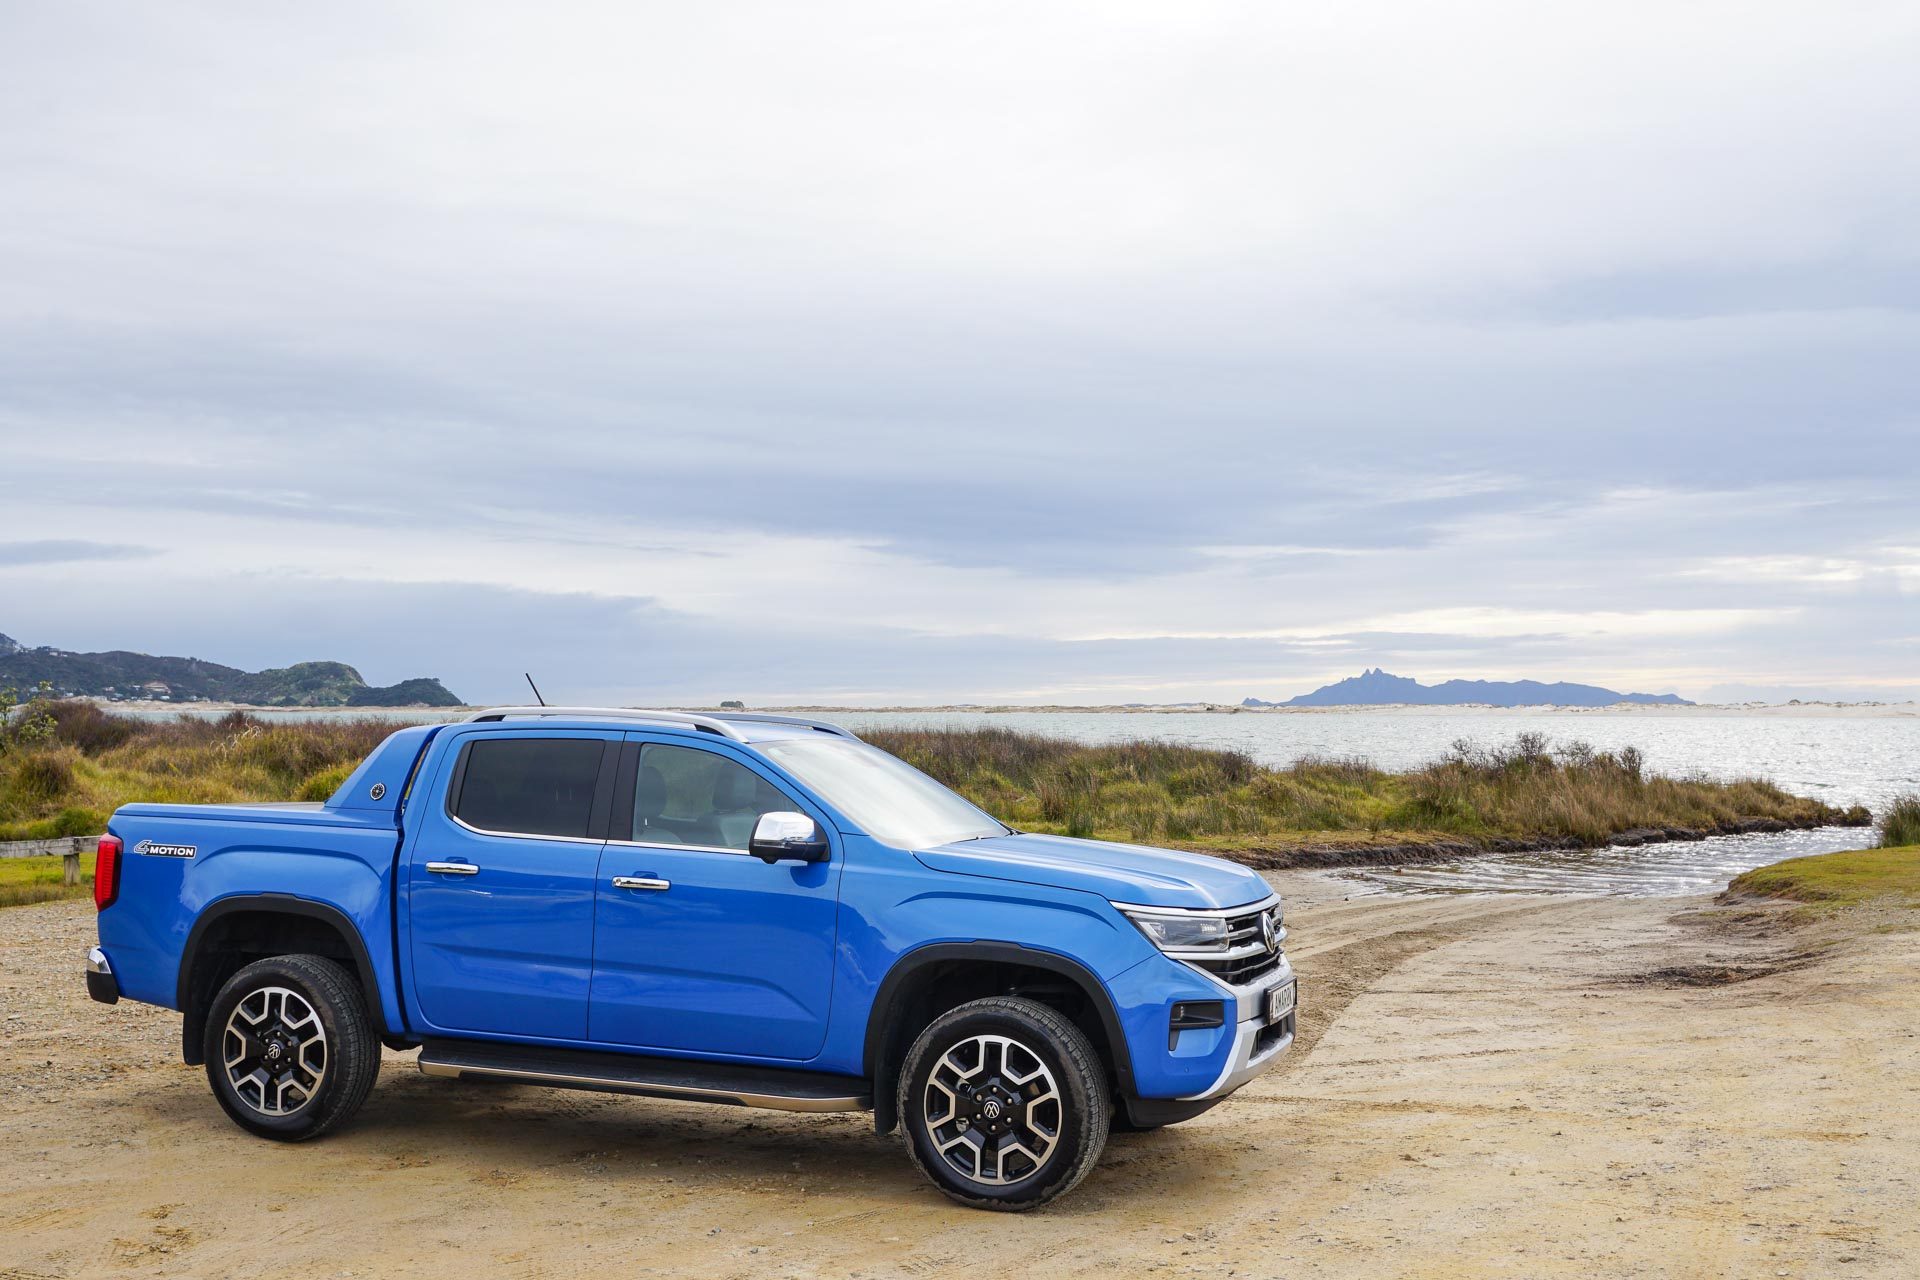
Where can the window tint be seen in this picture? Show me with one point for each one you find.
(530, 786)
(688, 796)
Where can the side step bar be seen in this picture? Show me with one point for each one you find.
(723, 1082)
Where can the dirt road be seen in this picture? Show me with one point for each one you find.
(1486, 1086)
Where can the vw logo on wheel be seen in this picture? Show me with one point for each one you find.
(992, 1109)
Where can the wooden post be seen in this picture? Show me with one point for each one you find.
(70, 867)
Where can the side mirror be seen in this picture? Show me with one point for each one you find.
(787, 837)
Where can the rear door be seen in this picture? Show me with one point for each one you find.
(500, 883)
(701, 947)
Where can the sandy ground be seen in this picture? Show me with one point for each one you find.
(1486, 1086)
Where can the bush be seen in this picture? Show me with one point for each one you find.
(1900, 824)
(38, 779)
(85, 726)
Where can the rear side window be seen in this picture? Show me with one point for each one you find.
(529, 786)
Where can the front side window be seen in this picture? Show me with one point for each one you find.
(529, 786)
(687, 796)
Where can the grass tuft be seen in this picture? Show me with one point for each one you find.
(1900, 824)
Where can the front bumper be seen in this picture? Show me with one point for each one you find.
(1258, 1041)
(101, 984)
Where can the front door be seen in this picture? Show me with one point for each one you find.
(698, 945)
(500, 883)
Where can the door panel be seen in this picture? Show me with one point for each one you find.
(734, 956)
(507, 948)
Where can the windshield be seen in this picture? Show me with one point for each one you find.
(891, 800)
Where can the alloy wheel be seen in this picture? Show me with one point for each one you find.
(993, 1110)
(275, 1051)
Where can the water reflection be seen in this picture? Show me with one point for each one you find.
(1668, 869)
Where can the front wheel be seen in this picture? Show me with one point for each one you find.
(1004, 1103)
(290, 1049)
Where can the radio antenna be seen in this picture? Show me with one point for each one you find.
(536, 688)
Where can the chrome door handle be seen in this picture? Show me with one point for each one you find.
(453, 868)
(640, 882)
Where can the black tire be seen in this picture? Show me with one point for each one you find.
(279, 1093)
(1002, 1084)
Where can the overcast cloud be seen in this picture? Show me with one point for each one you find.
(1024, 352)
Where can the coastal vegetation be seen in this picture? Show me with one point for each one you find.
(81, 762)
(1525, 792)
(1900, 823)
(88, 762)
(1838, 879)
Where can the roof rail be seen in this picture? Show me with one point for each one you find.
(708, 723)
(722, 724)
(761, 717)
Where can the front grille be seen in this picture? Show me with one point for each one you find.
(1247, 958)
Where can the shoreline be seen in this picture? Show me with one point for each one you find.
(1334, 855)
(1813, 710)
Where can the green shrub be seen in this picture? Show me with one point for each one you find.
(323, 784)
(39, 779)
(1900, 824)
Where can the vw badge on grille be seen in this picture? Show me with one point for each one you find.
(1266, 932)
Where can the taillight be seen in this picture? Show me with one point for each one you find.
(106, 872)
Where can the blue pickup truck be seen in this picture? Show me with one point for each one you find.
(735, 908)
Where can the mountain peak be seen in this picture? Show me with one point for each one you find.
(1376, 687)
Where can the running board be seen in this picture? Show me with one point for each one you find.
(679, 1078)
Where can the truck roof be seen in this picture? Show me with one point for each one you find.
(740, 726)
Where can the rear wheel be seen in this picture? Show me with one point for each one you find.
(290, 1049)
(1004, 1103)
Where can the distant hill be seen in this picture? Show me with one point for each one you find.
(144, 677)
(1378, 688)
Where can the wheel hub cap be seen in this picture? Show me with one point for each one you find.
(274, 1051)
(993, 1110)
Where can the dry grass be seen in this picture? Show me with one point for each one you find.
(1167, 794)
(1149, 792)
(95, 762)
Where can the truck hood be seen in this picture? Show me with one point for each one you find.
(1117, 872)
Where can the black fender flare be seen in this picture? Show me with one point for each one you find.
(282, 904)
(893, 988)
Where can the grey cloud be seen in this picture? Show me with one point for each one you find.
(1070, 318)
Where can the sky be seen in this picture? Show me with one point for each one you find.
(1006, 353)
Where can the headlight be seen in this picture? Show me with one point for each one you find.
(1180, 933)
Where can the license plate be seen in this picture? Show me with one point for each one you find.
(1280, 1001)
